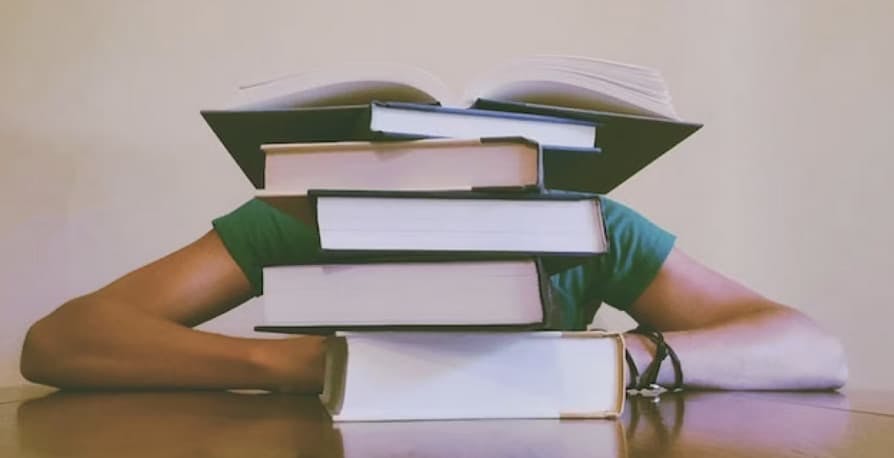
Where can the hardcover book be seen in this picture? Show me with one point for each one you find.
(377, 376)
(627, 144)
(558, 95)
(444, 295)
(243, 132)
(372, 224)
(422, 165)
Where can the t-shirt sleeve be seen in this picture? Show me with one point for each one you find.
(637, 249)
(258, 235)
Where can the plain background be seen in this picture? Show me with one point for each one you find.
(106, 164)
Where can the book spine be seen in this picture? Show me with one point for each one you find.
(553, 310)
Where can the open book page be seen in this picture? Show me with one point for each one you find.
(566, 81)
(346, 84)
(577, 82)
(643, 77)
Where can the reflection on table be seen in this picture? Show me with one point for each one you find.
(273, 425)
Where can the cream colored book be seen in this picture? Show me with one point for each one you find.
(423, 165)
(387, 376)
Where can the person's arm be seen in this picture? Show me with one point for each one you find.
(729, 337)
(136, 333)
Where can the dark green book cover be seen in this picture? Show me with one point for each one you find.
(628, 143)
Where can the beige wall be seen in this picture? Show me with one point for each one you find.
(106, 164)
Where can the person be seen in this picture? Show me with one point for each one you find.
(136, 332)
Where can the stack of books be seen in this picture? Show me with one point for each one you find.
(435, 225)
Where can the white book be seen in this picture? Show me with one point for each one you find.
(377, 376)
(510, 293)
(469, 223)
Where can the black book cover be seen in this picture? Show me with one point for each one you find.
(488, 113)
(628, 143)
(242, 132)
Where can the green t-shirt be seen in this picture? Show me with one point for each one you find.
(258, 235)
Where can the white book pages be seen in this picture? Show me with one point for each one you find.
(408, 376)
(349, 83)
(416, 224)
(448, 293)
(594, 84)
(423, 165)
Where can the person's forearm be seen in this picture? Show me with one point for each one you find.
(91, 344)
(772, 349)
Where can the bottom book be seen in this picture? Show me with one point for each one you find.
(387, 376)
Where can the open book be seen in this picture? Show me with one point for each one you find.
(573, 82)
(598, 122)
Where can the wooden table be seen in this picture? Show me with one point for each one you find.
(35, 422)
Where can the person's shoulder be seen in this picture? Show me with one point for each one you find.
(261, 218)
(637, 249)
(617, 214)
(257, 235)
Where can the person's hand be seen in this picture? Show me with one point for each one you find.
(295, 364)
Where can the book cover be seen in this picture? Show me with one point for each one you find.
(627, 144)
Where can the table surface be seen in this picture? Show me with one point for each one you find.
(37, 422)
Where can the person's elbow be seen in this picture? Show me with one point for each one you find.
(837, 362)
(39, 354)
(51, 347)
(822, 353)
